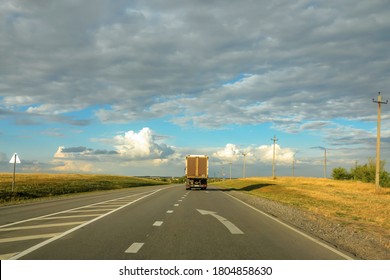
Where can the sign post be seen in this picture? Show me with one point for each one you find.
(14, 159)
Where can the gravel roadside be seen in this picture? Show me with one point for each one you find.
(362, 245)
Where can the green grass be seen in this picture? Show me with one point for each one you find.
(34, 186)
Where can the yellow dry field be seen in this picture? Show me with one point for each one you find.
(347, 202)
(41, 186)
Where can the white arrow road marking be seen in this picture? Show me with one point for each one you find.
(230, 226)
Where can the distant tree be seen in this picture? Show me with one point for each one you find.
(366, 173)
(341, 173)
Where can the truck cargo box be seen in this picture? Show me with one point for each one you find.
(196, 171)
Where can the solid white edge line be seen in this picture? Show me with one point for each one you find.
(32, 249)
(295, 230)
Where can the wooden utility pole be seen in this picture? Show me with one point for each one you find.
(324, 149)
(230, 163)
(273, 158)
(378, 141)
(243, 168)
(325, 163)
(293, 165)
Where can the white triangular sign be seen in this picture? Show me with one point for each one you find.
(15, 159)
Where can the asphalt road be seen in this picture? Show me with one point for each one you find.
(152, 223)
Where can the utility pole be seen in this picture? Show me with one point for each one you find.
(324, 149)
(324, 162)
(243, 168)
(378, 141)
(230, 163)
(293, 174)
(293, 165)
(273, 158)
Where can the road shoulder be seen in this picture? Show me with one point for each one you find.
(361, 244)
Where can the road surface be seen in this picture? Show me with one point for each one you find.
(152, 223)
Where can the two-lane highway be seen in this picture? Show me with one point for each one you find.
(164, 222)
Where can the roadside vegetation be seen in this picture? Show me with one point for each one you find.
(350, 203)
(35, 186)
(364, 173)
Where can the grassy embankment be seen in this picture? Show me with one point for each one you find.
(349, 203)
(37, 186)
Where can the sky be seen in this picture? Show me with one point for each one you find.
(132, 87)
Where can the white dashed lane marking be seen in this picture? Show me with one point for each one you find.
(158, 223)
(134, 248)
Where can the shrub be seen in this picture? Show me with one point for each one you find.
(341, 173)
(364, 173)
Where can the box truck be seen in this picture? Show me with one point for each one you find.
(197, 171)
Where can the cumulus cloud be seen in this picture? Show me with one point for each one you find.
(253, 154)
(283, 156)
(230, 153)
(74, 166)
(130, 147)
(141, 145)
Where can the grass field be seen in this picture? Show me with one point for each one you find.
(34, 186)
(350, 203)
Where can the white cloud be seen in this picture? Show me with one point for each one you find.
(230, 153)
(74, 166)
(253, 154)
(141, 145)
(283, 156)
(70, 162)
(131, 148)
(61, 155)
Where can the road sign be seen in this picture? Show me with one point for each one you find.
(15, 159)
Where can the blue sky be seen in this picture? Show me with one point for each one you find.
(130, 88)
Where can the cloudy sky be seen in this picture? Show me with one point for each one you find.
(131, 87)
